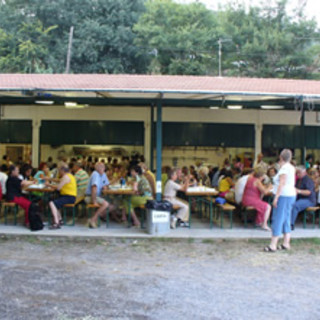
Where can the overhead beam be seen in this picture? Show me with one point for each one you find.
(104, 101)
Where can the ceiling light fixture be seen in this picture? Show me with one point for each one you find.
(48, 102)
(272, 107)
(74, 105)
(70, 104)
(234, 107)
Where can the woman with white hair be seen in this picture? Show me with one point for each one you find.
(285, 196)
(204, 176)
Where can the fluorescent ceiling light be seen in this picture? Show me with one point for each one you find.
(214, 108)
(70, 104)
(235, 107)
(44, 102)
(272, 107)
(74, 105)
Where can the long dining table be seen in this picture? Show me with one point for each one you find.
(201, 195)
(45, 196)
(124, 192)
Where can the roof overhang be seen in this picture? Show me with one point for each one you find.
(136, 91)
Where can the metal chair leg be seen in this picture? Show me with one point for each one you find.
(245, 218)
(15, 211)
(107, 218)
(231, 219)
(221, 217)
(6, 215)
(64, 212)
(314, 220)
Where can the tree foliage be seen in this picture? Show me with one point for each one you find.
(103, 36)
(176, 38)
(159, 37)
(26, 50)
(266, 42)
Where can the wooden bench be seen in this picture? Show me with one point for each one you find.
(245, 211)
(90, 207)
(226, 208)
(8, 206)
(310, 211)
(73, 208)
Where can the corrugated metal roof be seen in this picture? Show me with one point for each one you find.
(142, 90)
(156, 83)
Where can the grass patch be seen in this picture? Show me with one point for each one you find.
(208, 241)
(312, 251)
(258, 241)
(162, 239)
(306, 241)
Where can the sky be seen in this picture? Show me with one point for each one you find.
(312, 7)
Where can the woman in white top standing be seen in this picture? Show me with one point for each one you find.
(285, 196)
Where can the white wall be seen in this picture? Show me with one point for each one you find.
(169, 114)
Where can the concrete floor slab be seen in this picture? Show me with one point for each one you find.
(124, 232)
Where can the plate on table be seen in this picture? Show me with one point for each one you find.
(36, 186)
(114, 187)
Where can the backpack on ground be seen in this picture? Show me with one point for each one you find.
(34, 218)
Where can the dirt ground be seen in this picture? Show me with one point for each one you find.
(46, 278)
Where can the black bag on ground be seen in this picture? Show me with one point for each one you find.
(159, 205)
(34, 217)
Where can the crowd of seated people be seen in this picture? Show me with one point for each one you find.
(86, 179)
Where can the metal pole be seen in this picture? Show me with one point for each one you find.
(220, 57)
(303, 137)
(152, 137)
(159, 150)
(69, 50)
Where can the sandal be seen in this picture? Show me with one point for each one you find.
(55, 226)
(92, 225)
(282, 247)
(61, 222)
(268, 249)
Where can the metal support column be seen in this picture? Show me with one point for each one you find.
(152, 137)
(257, 140)
(159, 150)
(303, 136)
(36, 124)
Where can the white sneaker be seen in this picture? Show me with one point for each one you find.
(173, 222)
(184, 224)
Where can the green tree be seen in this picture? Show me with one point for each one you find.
(176, 38)
(267, 42)
(103, 36)
(25, 50)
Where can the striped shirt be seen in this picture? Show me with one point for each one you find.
(82, 179)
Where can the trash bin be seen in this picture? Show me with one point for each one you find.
(158, 217)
